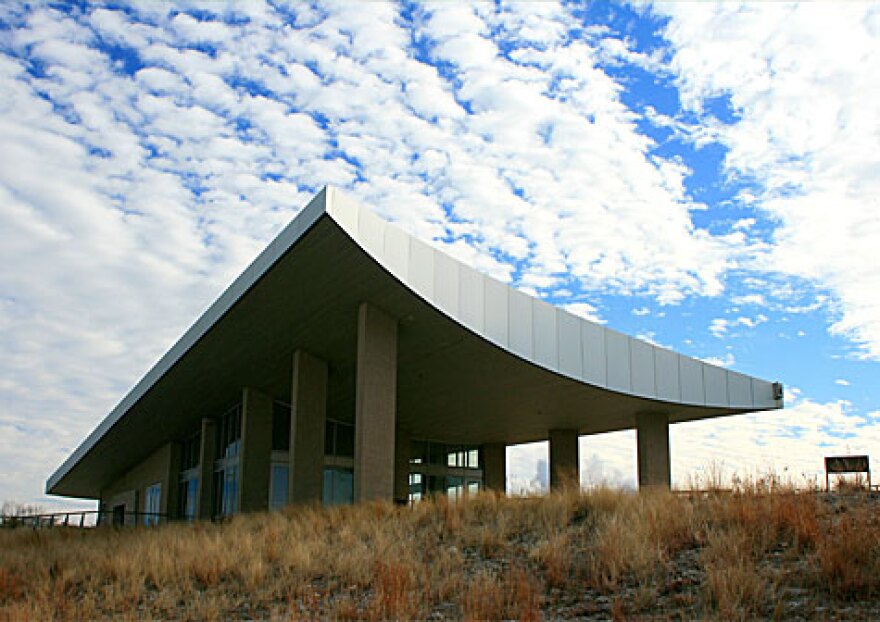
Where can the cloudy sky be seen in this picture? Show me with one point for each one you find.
(703, 176)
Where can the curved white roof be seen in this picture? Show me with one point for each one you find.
(477, 356)
(540, 333)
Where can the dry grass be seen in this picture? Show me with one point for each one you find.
(606, 553)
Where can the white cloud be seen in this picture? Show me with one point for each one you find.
(751, 322)
(749, 299)
(129, 201)
(743, 224)
(842, 382)
(802, 79)
(728, 360)
(720, 327)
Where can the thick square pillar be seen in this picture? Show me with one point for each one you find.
(564, 459)
(207, 456)
(375, 405)
(255, 459)
(652, 438)
(308, 414)
(170, 502)
(495, 467)
(402, 451)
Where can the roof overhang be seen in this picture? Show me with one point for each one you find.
(478, 361)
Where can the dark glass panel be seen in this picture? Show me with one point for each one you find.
(280, 427)
(344, 440)
(418, 452)
(329, 441)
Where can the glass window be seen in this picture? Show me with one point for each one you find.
(473, 459)
(118, 515)
(190, 448)
(229, 433)
(218, 493)
(435, 483)
(345, 440)
(418, 452)
(278, 486)
(416, 486)
(450, 458)
(327, 492)
(229, 490)
(188, 495)
(338, 486)
(339, 439)
(280, 427)
(436, 453)
(329, 437)
(152, 503)
(463, 458)
(343, 487)
(454, 487)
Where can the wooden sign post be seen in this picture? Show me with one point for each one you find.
(846, 464)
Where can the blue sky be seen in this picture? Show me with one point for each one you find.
(703, 176)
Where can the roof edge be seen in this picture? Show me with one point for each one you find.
(299, 226)
(538, 332)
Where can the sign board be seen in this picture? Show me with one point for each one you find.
(846, 464)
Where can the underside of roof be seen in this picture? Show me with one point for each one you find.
(477, 360)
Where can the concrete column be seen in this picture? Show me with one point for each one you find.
(207, 455)
(255, 459)
(652, 438)
(401, 466)
(375, 405)
(564, 459)
(170, 502)
(495, 467)
(308, 415)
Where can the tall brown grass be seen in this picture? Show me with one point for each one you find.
(616, 554)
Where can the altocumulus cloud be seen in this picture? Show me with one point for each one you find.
(149, 151)
(802, 79)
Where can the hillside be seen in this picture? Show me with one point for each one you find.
(596, 555)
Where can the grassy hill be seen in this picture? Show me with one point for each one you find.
(597, 555)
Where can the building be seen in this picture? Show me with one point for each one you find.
(354, 362)
(542, 474)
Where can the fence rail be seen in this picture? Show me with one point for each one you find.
(84, 519)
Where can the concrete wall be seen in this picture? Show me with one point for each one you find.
(652, 444)
(495, 467)
(375, 405)
(401, 466)
(256, 451)
(308, 417)
(564, 459)
(207, 455)
(130, 488)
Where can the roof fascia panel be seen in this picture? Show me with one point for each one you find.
(520, 324)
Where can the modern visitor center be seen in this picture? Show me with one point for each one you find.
(353, 362)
